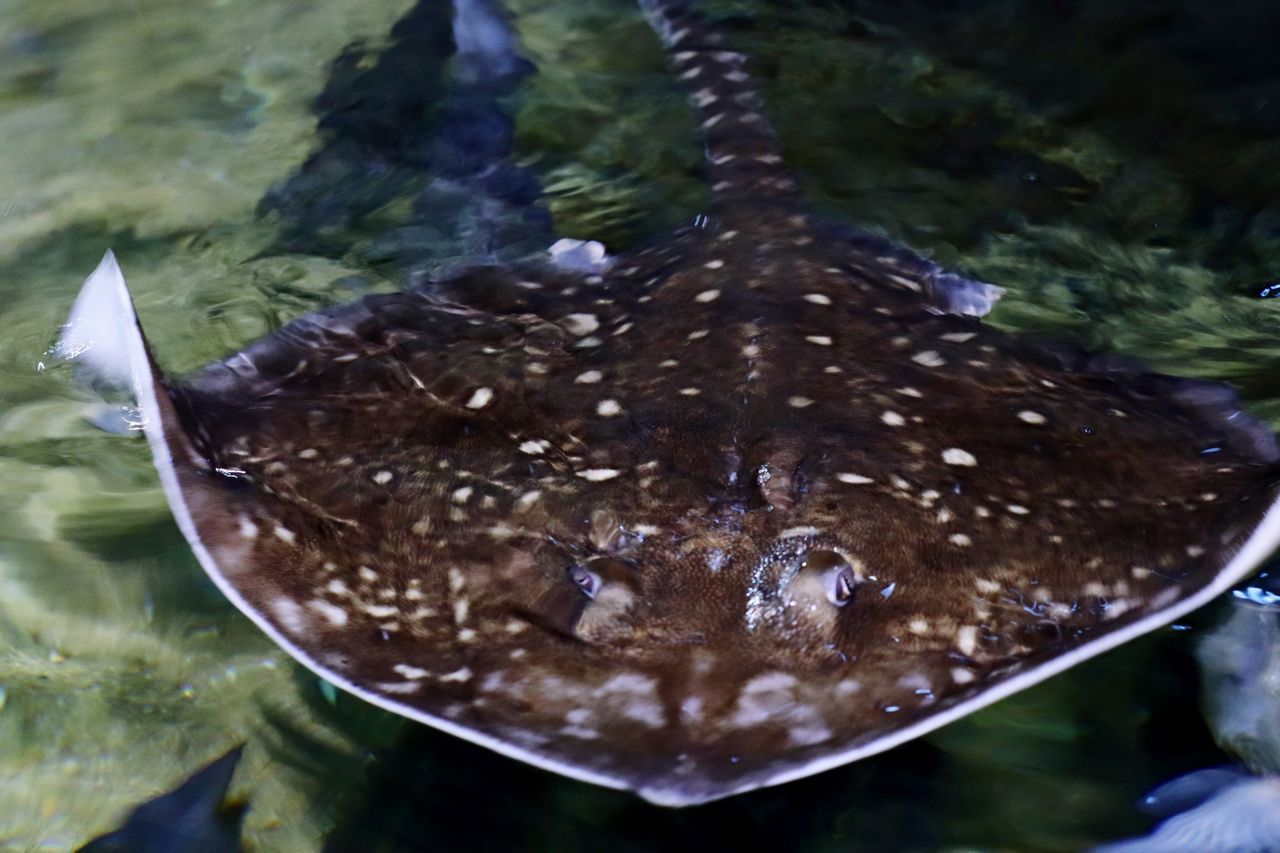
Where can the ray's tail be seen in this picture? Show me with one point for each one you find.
(744, 159)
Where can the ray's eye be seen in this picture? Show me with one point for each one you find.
(585, 580)
(840, 579)
(840, 586)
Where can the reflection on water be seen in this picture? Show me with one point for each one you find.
(1111, 167)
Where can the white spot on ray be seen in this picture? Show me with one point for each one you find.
(335, 615)
(893, 419)
(817, 298)
(461, 609)
(579, 325)
(905, 282)
(957, 456)
(608, 408)
(771, 699)
(1030, 417)
(284, 534)
(412, 673)
(751, 711)
(480, 398)
(707, 296)
(799, 402)
(461, 675)
(703, 98)
(820, 340)
(383, 477)
(636, 698)
(928, 358)
(596, 475)
(853, 479)
(691, 710)
(534, 448)
(589, 377)
(398, 687)
(288, 614)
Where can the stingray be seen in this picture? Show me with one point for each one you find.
(759, 500)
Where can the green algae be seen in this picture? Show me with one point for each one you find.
(154, 129)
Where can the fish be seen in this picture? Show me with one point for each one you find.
(757, 500)
(194, 817)
(1215, 809)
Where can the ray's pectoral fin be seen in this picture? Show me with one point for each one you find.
(104, 336)
(102, 333)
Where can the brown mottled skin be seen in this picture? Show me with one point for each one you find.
(737, 502)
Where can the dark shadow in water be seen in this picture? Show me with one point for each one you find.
(436, 792)
(400, 129)
(1185, 83)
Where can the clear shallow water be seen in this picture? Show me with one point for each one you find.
(1111, 168)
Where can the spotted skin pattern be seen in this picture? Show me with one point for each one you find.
(760, 499)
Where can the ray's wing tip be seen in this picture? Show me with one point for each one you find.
(102, 331)
(955, 294)
(679, 796)
(682, 791)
